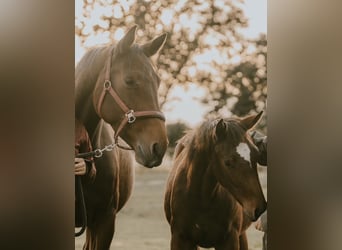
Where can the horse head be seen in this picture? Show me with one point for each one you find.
(235, 163)
(126, 97)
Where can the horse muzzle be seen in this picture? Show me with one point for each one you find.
(150, 156)
(260, 210)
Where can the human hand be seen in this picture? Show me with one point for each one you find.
(260, 141)
(261, 223)
(80, 166)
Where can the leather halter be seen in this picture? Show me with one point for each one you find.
(130, 115)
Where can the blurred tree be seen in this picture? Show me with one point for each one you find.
(204, 46)
(245, 85)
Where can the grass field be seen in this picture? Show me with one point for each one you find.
(141, 224)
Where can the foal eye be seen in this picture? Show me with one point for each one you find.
(228, 163)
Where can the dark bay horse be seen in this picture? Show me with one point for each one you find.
(116, 90)
(213, 191)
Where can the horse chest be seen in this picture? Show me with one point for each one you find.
(215, 219)
(209, 228)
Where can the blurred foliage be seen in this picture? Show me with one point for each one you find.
(245, 83)
(175, 131)
(204, 47)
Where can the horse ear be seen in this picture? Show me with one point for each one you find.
(250, 121)
(126, 42)
(220, 129)
(152, 47)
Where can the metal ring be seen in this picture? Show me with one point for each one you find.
(130, 116)
(98, 153)
(107, 84)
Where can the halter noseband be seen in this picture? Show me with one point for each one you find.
(130, 115)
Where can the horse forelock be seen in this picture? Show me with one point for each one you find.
(204, 138)
(234, 132)
(201, 140)
(134, 58)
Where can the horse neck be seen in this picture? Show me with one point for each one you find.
(86, 75)
(87, 115)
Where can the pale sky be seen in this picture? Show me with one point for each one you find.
(256, 12)
(187, 108)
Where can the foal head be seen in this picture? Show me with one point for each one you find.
(133, 77)
(235, 163)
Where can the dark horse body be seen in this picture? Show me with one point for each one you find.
(213, 191)
(133, 78)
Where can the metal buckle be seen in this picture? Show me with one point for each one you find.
(130, 116)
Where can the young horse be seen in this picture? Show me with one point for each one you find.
(213, 192)
(116, 90)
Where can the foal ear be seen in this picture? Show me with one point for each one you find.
(220, 129)
(126, 42)
(250, 121)
(152, 47)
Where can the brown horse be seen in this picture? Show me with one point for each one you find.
(116, 90)
(213, 191)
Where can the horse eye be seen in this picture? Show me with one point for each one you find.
(130, 81)
(228, 163)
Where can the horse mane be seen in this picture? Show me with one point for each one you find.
(90, 58)
(199, 144)
(234, 131)
(88, 69)
(135, 50)
(203, 139)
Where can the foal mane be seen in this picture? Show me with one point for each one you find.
(202, 140)
(199, 144)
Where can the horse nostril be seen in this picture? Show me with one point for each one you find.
(260, 210)
(157, 149)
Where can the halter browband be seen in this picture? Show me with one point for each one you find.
(130, 114)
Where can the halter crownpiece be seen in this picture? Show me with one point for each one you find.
(130, 115)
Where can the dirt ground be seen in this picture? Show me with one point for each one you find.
(141, 224)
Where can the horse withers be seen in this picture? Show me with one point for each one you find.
(213, 192)
(116, 100)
